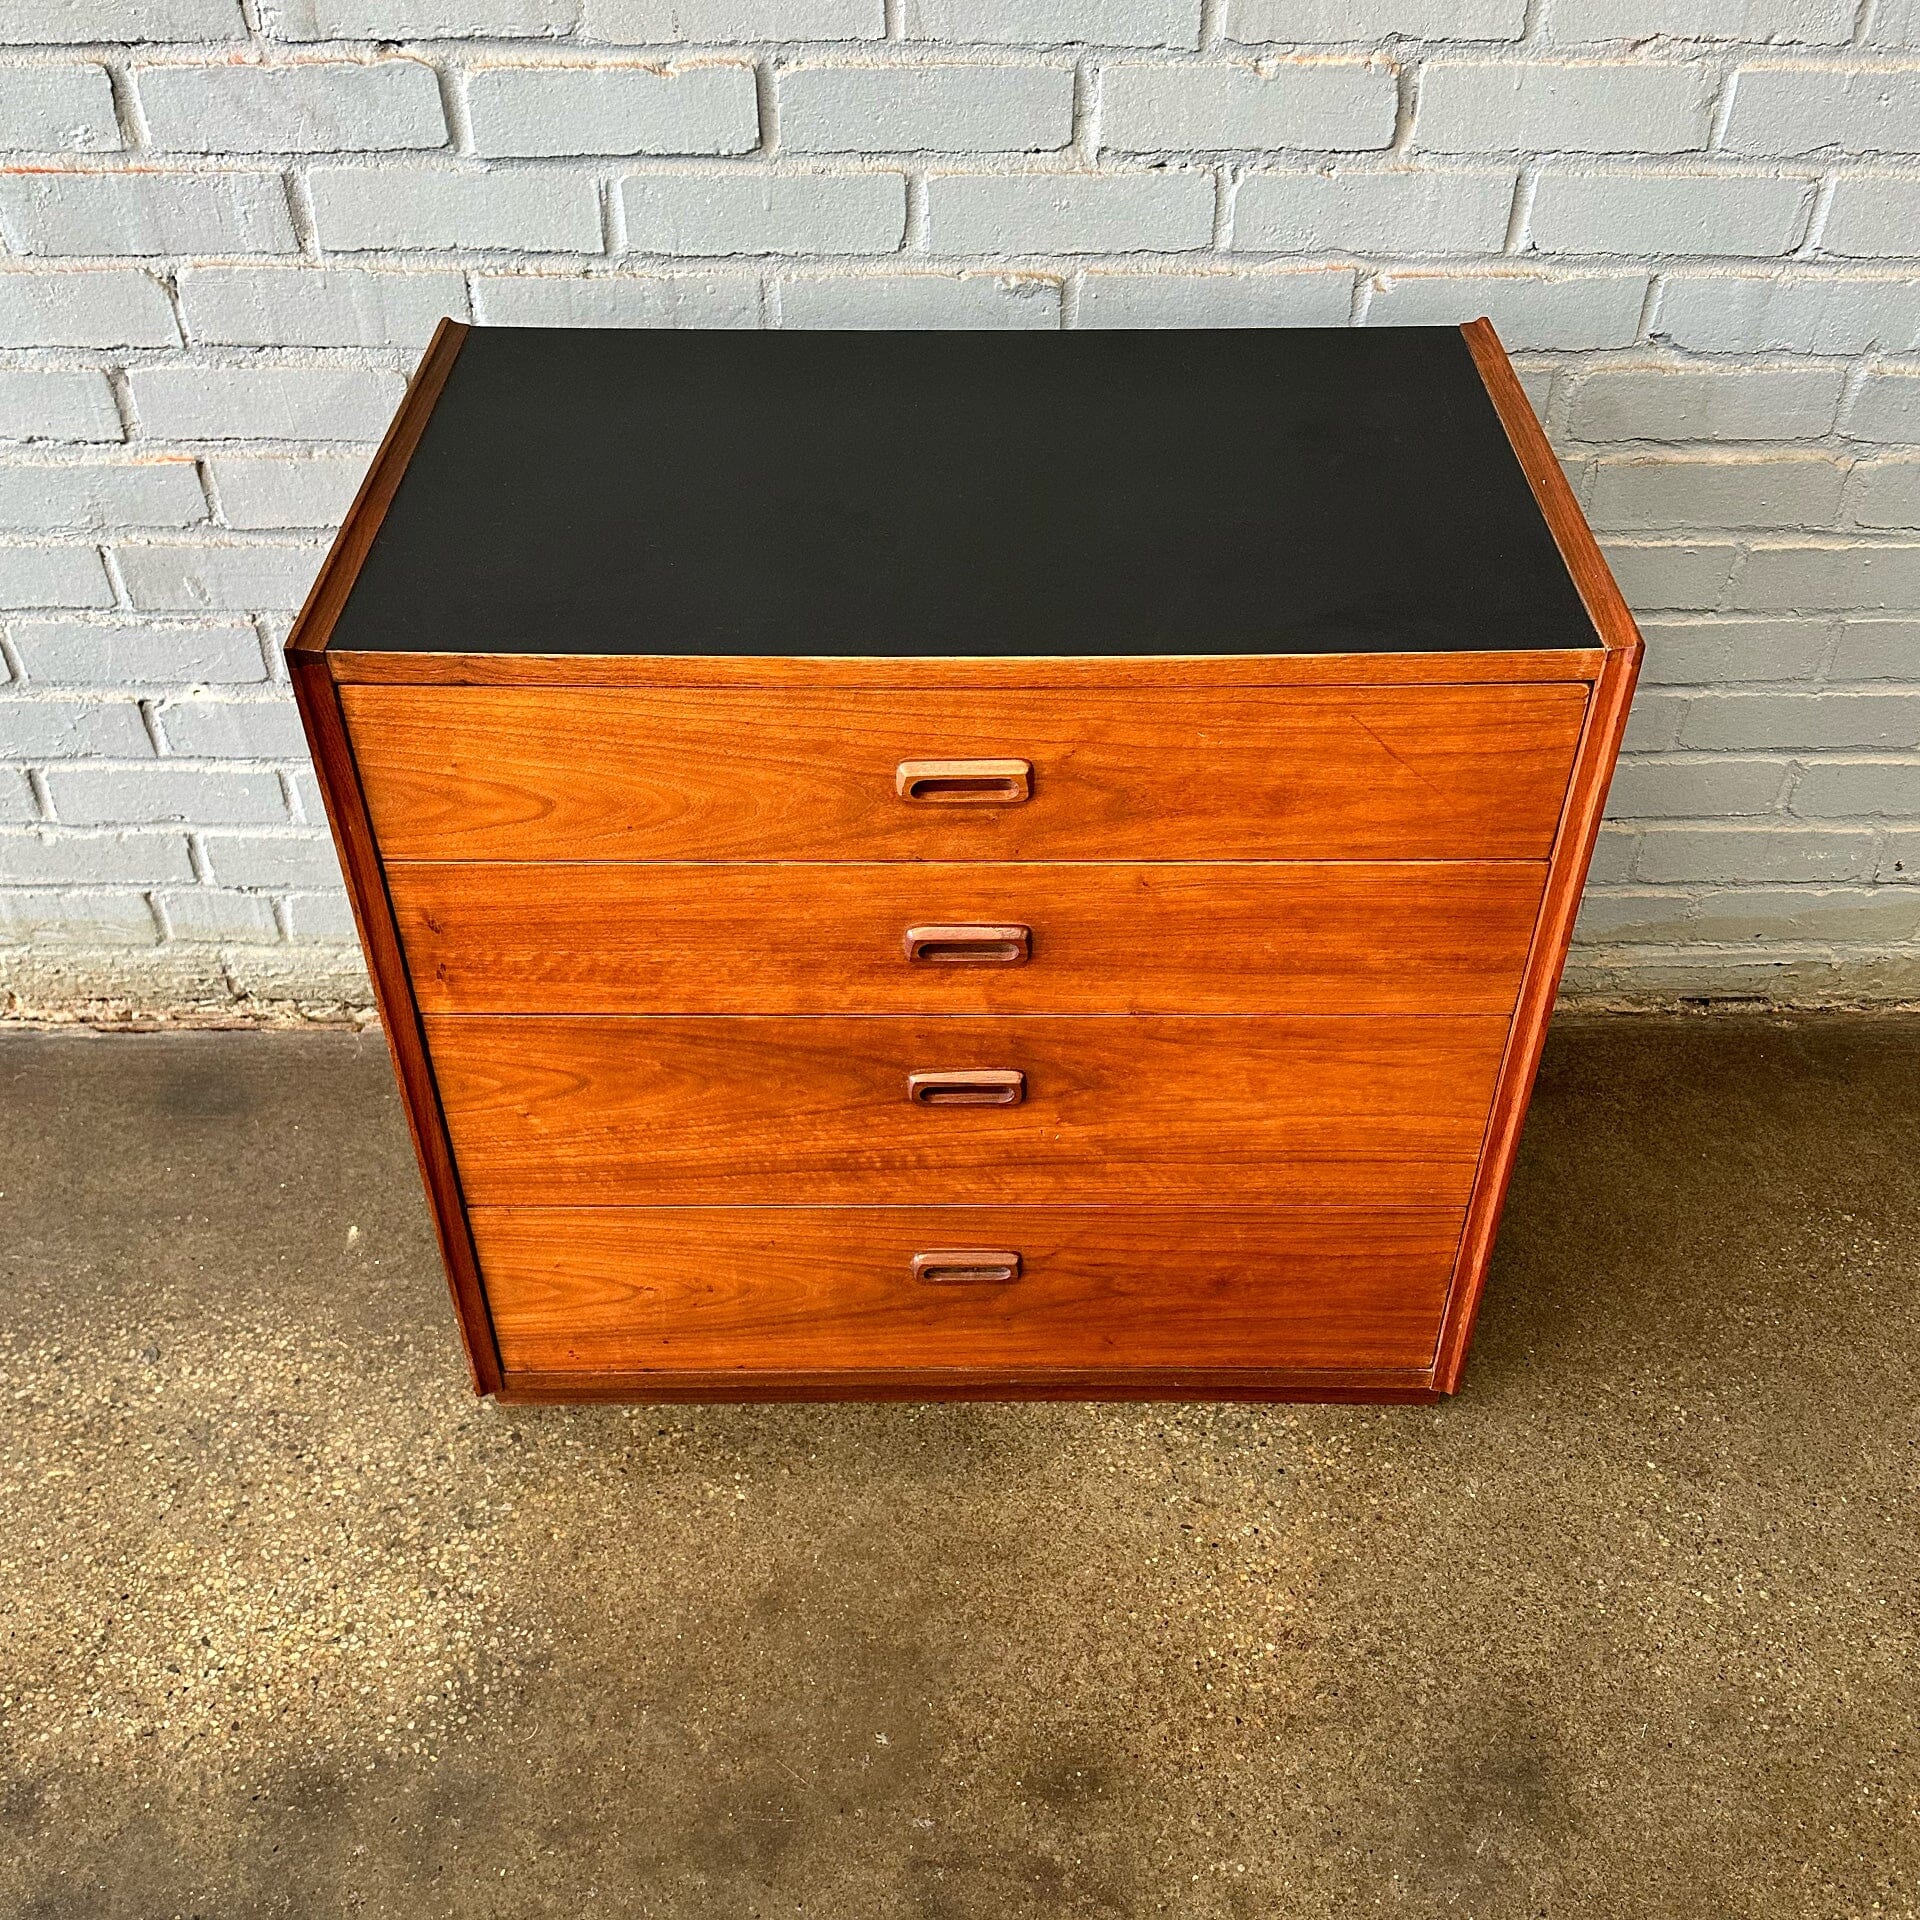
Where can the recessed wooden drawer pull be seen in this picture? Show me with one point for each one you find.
(970, 946)
(964, 1266)
(964, 783)
(983, 1087)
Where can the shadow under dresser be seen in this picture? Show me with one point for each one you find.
(943, 865)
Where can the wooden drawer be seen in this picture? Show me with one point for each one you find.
(1295, 773)
(746, 1111)
(628, 1290)
(1173, 938)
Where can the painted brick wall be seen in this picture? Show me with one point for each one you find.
(228, 226)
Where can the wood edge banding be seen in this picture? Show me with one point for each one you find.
(1080, 673)
(1406, 1386)
(1592, 577)
(335, 580)
(346, 808)
(1606, 721)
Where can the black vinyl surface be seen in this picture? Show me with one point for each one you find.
(643, 491)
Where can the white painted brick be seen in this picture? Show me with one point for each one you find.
(57, 109)
(1830, 575)
(151, 654)
(1665, 449)
(318, 307)
(711, 108)
(1885, 406)
(652, 22)
(1695, 652)
(324, 917)
(1046, 23)
(1872, 215)
(156, 793)
(1885, 493)
(273, 860)
(212, 913)
(264, 403)
(1790, 577)
(1716, 490)
(1322, 20)
(1643, 213)
(1528, 309)
(307, 804)
(218, 727)
(1802, 312)
(1753, 912)
(360, 208)
(1672, 575)
(938, 300)
(1899, 856)
(1896, 23)
(1343, 105)
(268, 490)
(90, 915)
(1069, 212)
(419, 19)
(1859, 789)
(1283, 297)
(85, 307)
(1613, 854)
(186, 579)
(1805, 109)
(51, 856)
(56, 405)
(145, 493)
(1785, 852)
(46, 22)
(1653, 725)
(1695, 788)
(1799, 721)
(308, 107)
(65, 727)
(1698, 403)
(53, 577)
(1568, 106)
(1410, 210)
(145, 213)
(1809, 22)
(722, 213)
(1806, 914)
(17, 803)
(617, 300)
(941, 108)
(1877, 650)
(1640, 917)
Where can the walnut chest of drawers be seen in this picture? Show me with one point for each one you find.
(955, 865)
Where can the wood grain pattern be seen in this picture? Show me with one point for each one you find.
(1592, 577)
(1574, 840)
(1413, 937)
(1452, 773)
(333, 583)
(1040, 672)
(399, 1015)
(1373, 1386)
(1573, 852)
(745, 1111)
(807, 1289)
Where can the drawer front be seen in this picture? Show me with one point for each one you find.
(1298, 773)
(746, 1111)
(909, 938)
(619, 1289)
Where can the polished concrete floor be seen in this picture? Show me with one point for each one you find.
(290, 1624)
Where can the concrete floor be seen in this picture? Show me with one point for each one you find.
(290, 1624)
